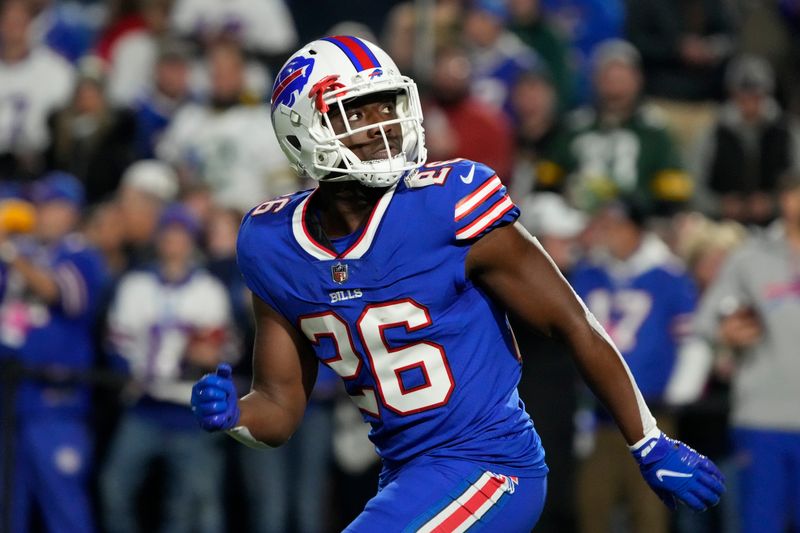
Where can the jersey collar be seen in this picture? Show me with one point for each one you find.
(318, 250)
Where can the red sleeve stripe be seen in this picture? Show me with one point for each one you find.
(495, 213)
(467, 205)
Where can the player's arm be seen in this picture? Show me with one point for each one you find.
(284, 372)
(516, 271)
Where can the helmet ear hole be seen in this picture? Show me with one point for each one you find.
(294, 141)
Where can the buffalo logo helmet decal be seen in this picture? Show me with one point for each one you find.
(291, 80)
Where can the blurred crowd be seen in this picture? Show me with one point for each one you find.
(653, 148)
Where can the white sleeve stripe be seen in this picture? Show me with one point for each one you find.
(500, 208)
(467, 205)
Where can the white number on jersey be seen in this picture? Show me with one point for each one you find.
(621, 313)
(388, 363)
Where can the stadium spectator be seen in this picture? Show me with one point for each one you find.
(286, 487)
(227, 144)
(585, 24)
(765, 28)
(498, 55)
(704, 245)
(684, 46)
(528, 22)
(89, 137)
(51, 283)
(105, 229)
(413, 43)
(263, 27)
(169, 325)
(538, 125)
(753, 308)
(619, 145)
(645, 298)
(146, 187)
(220, 248)
(155, 108)
(557, 225)
(34, 81)
(460, 125)
(123, 17)
(752, 143)
(133, 55)
(68, 27)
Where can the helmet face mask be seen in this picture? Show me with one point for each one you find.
(322, 79)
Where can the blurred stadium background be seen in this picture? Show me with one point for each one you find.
(136, 133)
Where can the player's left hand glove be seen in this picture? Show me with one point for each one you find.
(677, 472)
(214, 401)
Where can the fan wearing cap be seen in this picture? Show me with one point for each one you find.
(51, 284)
(618, 145)
(168, 325)
(645, 298)
(147, 187)
(752, 142)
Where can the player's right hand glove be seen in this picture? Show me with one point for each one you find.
(677, 472)
(214, 401)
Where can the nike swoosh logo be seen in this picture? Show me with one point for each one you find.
(661, 473)
(468, 178)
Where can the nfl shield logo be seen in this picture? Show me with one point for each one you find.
(339, 273)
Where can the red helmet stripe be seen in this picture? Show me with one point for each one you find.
(355, 50)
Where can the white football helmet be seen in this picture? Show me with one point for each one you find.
(324, 74)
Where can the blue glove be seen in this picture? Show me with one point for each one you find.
(676, 473)
(214, 401)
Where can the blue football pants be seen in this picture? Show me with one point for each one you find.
(446, 495)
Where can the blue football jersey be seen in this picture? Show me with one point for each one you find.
(59, 334)
(427, 356)
(645, 305)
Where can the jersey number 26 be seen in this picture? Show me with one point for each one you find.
(388, 363)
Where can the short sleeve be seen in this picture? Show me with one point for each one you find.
(250, 251)
(482, 203)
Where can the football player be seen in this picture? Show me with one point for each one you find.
(398, 274)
